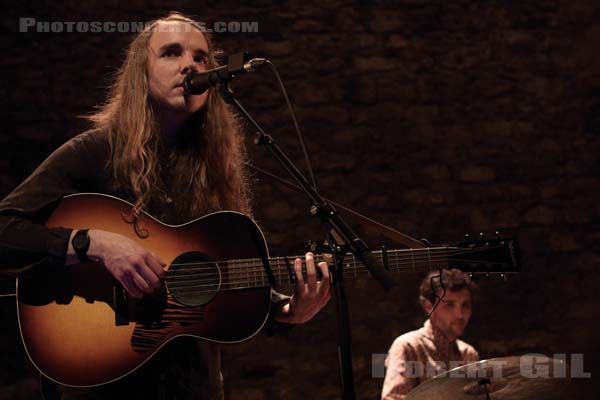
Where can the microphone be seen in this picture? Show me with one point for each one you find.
(197, 82)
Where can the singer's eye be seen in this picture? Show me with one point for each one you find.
(200, 59)
(170, 53)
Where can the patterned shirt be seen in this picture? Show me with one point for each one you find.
(418, 356)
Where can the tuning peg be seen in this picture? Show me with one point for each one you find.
(467, 236)
(497, 234)
(480, 235)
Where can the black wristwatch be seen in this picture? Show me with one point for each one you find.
(81, 244)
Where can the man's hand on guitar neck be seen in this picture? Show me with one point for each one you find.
(139, 270)
(310, 296)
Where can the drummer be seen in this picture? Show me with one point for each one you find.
(419, 355)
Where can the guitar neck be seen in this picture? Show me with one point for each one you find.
(406, 260)
(251, 272)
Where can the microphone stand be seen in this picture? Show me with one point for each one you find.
(342, 239)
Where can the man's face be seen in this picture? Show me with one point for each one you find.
(173, 50)
(452, 315)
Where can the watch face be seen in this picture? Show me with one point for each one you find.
(79, 241)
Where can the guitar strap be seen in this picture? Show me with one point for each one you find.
(369, 223)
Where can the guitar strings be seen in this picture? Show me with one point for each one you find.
(240, 269)
(253, 267)
(222, 288)
(262, 278)
(233, 269)
(395, 253)
(240, 276)
(257, 262)
(202, 288)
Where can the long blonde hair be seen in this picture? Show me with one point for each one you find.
(207, 169)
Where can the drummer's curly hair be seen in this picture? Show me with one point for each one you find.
(451, 280)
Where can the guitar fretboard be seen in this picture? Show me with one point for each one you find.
(414, 260)
(251, 272)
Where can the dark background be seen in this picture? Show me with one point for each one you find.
(438, 118)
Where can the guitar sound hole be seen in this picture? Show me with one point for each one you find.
(193, 279)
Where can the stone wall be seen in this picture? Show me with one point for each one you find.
(438, 118)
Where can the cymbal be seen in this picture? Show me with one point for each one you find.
(532, 376)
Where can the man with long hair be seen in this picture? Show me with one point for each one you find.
(419, 355)
(172, 155)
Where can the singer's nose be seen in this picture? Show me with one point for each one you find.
(188, 68)
(187, 64)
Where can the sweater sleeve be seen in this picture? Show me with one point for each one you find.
(24, 239)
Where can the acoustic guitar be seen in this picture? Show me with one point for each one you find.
(80, 328)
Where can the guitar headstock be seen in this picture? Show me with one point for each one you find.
(486, 256)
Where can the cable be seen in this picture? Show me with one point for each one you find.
(434, 291)
(296, 126)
